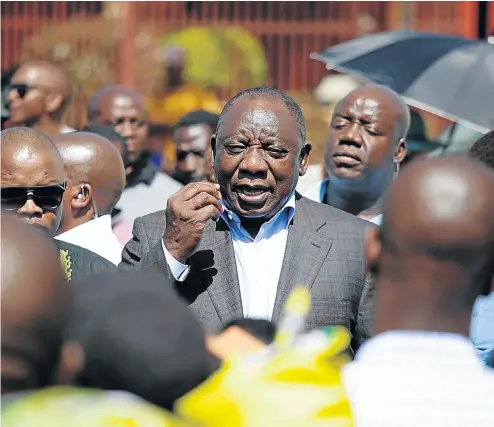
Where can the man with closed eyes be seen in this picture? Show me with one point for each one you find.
(366, 144)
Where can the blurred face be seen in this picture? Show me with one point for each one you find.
(128, 116)
(193, 152)
(33, 187)
(28, 96)
(258, 157)
(363, 140)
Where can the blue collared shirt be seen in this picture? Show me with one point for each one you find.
(258, 260)
(482, 326)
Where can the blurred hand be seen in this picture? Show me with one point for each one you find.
(187, 214)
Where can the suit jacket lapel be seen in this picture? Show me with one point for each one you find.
(305, 252)
(225, 289)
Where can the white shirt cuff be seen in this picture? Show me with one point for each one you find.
(180, 271)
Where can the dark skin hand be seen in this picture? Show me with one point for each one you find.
(187, 213)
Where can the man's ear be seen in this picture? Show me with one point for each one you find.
(213, 146)
(373, 248)
(82, 196)
(304, 159)
(401, 151)
(54, 102)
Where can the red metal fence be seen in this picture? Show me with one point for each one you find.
(289, 31)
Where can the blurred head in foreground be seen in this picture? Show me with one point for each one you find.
(35, 300)
(138, 336)
(32, 178)
(434, 253)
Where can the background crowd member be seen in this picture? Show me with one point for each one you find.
(33, 183)
(39, 94)
(122, 228)
(482, 327)
(192, 138)
(432, 257)
(95, 180)
(268, 238)
(147, 188)
(35, 301)
(366, 144)
(138, 336)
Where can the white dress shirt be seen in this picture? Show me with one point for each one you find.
(426, 379)
(96, 236)
(318, 193)
(258, 260)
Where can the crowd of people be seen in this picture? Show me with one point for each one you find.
(131, 294)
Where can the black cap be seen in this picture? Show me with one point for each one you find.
(139, 336)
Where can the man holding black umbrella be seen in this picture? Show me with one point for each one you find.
(365, 146)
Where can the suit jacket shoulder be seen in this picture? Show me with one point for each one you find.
(82, 262)
(318, 214)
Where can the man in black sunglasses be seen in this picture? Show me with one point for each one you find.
(38, 95)
(32, 182)
(32, 178)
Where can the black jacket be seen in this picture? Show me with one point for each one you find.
(79, 263)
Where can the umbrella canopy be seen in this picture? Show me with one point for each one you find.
(446, 75)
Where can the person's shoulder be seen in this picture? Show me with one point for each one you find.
(330, 213)
(154, 218)
(78, 261)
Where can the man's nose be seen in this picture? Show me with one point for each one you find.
(126, 129)
(30, 209)
(253, 162)
(352, 135)
(12, 95)
(191, 163)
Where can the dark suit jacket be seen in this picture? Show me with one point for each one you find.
(324, 251)
(83, 262)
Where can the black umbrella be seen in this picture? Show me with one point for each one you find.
(449, 76)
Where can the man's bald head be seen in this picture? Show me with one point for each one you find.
(30, 159)
(437, 238)
(106, 97)
(124, 109)
(389, 100)
(35, 300)
(92, 163)
(49, 92)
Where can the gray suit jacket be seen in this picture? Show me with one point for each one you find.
(324, 251)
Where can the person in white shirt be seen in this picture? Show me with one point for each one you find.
(95, 181)
(365, 146)
(432, 257)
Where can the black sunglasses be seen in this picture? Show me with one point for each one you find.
(21, 88)
(44, 196)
